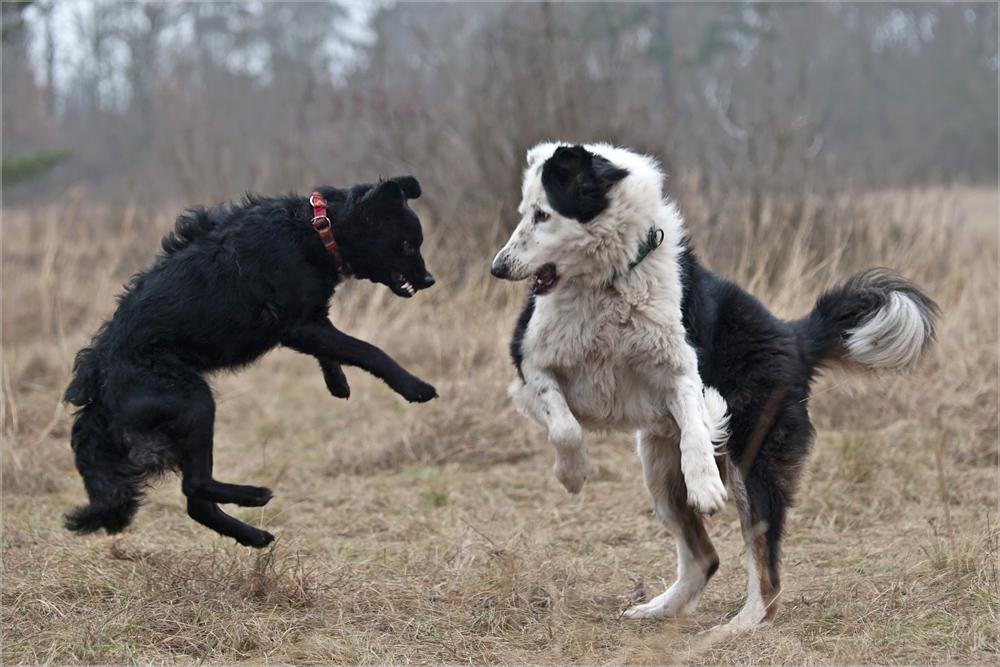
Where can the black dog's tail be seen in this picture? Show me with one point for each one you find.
(876, 319)
(110, 479)
(193, 224)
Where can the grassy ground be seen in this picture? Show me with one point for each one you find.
(437, 533)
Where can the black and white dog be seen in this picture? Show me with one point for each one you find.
(625, 330)
(231, 284)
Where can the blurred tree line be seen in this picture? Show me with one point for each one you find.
(199, 102)
(31, 165)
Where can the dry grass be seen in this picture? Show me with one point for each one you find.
(437, 533)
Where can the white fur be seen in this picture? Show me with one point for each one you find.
(682, 596)
(894, 337)
(718, 418)
(754, 612)
(606, 348)
(659, 455)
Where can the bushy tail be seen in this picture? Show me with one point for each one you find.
(193, 224)
(876, 319)
(110, 479)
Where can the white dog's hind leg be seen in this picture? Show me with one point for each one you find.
(542, 399)
(686, 403)
(763, 585)
(758, 610)
(696, 557)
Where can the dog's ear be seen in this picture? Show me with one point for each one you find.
(570, 161)
(387, 193)
(606, 173)
(577, 182)
(409, 186)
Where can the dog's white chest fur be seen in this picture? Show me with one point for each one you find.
(610, 353)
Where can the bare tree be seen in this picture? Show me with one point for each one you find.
(755, 104)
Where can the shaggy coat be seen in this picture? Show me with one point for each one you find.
(231, 283)
(624, 330)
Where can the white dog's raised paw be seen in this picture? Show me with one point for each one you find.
(572, 470)
(572, 464)
(706, 493)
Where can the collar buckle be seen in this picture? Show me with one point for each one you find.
(321, 223)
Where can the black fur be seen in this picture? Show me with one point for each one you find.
(577, 182)
(519, 330)
(231, 283)
(764, 367)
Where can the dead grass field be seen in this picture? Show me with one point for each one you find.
(437, 533)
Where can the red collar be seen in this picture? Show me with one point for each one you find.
(321, 223)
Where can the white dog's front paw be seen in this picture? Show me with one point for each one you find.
(706, 492)
(572, 465)
(572, 469)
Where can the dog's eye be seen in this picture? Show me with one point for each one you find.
(540, 216)
(407, 247)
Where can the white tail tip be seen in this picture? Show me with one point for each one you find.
(894, 337)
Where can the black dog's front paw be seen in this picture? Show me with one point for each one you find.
(418, 391)
(258, 539)
(336, 381)
(255, 496)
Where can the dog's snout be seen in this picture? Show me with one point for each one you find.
(500, 269)
(428, 279)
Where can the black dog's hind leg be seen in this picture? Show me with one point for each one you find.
(322, 340)
(178, 409)
(196, 467)
(209, 514)
(193, 432)
(335, 379)
(203, 492)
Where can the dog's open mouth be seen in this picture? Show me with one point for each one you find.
(544, 279)
(401, 286)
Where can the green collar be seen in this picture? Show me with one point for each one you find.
(652, 241)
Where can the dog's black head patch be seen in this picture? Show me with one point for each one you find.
(577, 182)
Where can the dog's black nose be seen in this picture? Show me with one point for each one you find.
(499, 270)
(428, 280)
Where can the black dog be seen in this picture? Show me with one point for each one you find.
(231, 284)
